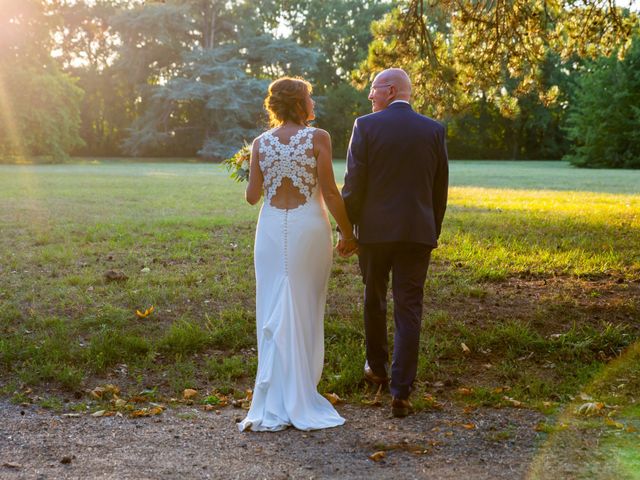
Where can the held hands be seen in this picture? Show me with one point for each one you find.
(347, 246)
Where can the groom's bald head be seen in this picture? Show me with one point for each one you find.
(389, 85)
(398, 78)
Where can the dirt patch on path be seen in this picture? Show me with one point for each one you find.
(190, 443)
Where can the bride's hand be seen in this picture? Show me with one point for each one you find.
(347, 247)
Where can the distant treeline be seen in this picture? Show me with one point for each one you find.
(185, 78)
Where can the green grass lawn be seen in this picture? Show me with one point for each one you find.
(543, 175)
(538, 274)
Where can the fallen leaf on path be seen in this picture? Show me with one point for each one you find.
(138, 399)
(612, 423)
(465, 391)
(589, 408)
(512, 401)
(147, 412)
(333, 398)
(189, 393)
(465, 349)
(432, 402)
(377, 456)
(12, 465)
(146, 313)
(469, 426)
(97, 392)
(498, 390)
(112, 389)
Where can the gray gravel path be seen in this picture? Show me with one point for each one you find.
(190, 443)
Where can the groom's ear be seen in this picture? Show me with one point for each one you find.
(393, 91)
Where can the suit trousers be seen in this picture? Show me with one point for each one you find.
(408, 263)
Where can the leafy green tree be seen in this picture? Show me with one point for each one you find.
(484, 66)
(604, 120)
(45, 117)
(457, 48)
(535, 131)
(337, 109)
(39, 105)
(201, 70)
(86, 47)
(338, 29)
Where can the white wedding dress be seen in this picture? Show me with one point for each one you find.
(293, 254)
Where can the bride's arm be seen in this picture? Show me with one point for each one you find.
(326, 179)
(254, 187)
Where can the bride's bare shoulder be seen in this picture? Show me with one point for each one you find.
(321, 135)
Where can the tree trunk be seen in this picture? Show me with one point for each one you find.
(209, 26)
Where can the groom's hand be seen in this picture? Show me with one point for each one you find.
(347, 246)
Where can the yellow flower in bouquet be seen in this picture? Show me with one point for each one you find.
(238, 164)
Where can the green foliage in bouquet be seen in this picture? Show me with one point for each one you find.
(238, 164)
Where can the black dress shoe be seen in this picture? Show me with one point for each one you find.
(401, 407)
(370, 376)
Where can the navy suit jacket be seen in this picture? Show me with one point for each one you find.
(395, 187)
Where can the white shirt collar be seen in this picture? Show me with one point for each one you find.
(397, 101)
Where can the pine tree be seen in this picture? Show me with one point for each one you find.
(604, 122)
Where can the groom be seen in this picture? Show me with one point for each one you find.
(395, 192)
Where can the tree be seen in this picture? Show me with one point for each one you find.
(45, 117)
(455, 49)
(535, 131)
(338, 29)
(201, 70)
(86, 47)
(39, 105)
(604, 121)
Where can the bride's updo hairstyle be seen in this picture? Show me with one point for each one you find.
(286, 101)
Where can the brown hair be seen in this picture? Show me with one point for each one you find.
(286, 101)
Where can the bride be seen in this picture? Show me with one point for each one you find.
(292, 165)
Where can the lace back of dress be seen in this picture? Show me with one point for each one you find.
(289, 170)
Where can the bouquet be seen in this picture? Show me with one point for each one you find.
(238, 164)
